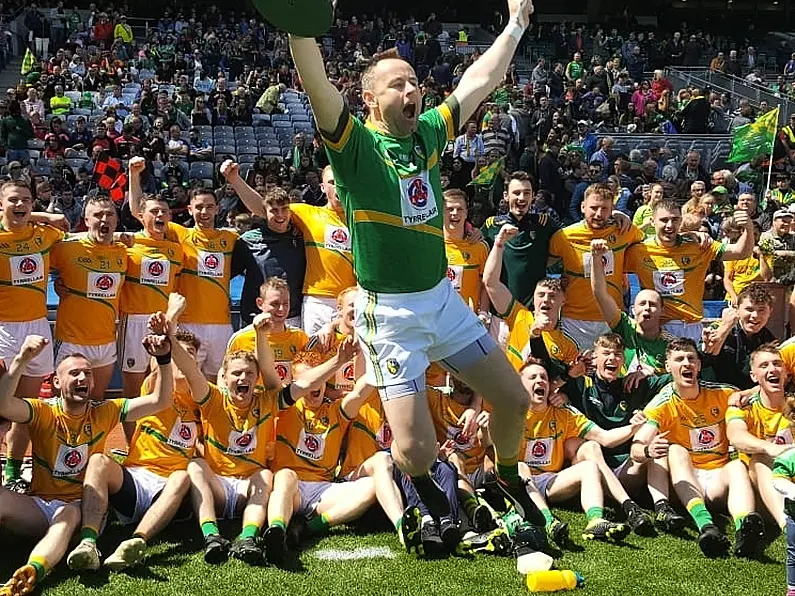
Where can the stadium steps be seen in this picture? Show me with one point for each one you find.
(9, 76)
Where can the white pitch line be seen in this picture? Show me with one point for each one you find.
(368, 552)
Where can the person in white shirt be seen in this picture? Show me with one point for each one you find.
(469, 146)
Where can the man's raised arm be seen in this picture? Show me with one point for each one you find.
(326, 101)
(485, 74)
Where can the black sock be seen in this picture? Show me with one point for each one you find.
(431, 495)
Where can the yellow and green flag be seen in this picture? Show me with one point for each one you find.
(487, 174)
(27, 62)
(754, 139)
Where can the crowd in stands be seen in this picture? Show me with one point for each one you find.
(207, 130)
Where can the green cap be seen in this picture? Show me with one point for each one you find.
(721, 190)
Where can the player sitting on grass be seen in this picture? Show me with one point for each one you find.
(547, 429)
(149, 488)
(687, 422)
(65, 433)
(759, 430)
(612, 402)
(309, 437)
(237, 419)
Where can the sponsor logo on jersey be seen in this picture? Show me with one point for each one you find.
(539, 449)
(706, 436)
(28, 266)
(311, 443)
(340, 236)
(281, 370)
(211, 262)
(186, 433)
(348, 373)
(156, 269)
(418, 193)
(243, 440)
(668, 280)
(72, 459)
(104, 283)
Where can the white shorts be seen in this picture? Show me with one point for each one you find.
(148, 486)
(235, 489)
(13, 334)
(403, 333)
(311, 494)
(584, 333)
(98, 356)
(317, 311)
(49, 508)
(707, 478)
(132, 355)
(500, 331)
(683, 329)
(214, 339)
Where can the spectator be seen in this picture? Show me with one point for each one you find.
(200, 150)
(469, 146)
(733, 66)
(33, 104)
(718, 63)
(15, 132)
(695, 114)
(39, 27)
(81, 137)
(60, 104)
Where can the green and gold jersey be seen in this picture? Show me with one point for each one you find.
(391, 191)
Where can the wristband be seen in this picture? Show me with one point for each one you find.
(646, 452)
(164, 359)
(515, 30)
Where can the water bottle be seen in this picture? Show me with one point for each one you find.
(530, 561)
(552, 581)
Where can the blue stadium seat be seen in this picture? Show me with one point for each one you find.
(224, 130)
(224, 149)
(201, 169)
(244, 130)
(261, 119)
(279, 118)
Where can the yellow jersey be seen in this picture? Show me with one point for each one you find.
(787, 351)
(309, 440)
(519, 320)
(327, 243)
(545, 434)
(446, 412)
(24, 271)
(285, 345)
(764, 423)
(206, 272)
(165, 442)
(677, 273)
(62, 444)
(698, 425)
(367, 434)
(152, 270)
(465, 263)
(742, 272)
(572, 245)
(236, 439)
(93, 275)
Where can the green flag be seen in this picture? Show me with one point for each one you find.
(487, 174)
(755, 139)
(27, 62)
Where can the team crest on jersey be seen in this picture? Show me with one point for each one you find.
(293, 349)
(223, 243)
(392, 366)
(130, 362)
(611, 239)
(622, 405)
(552, 425)
(466, 255)
(37, 240)
(87, 428)
(715, 412)
(685, 260)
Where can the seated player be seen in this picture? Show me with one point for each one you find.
(687, 422)
(237, 419)
(149, 488)
(546, 430)
(285, 341)
(611, 402)
(531, 333)
(309, 436)
(759, 430)
(467, 442)
(643, 336)
(65, 433)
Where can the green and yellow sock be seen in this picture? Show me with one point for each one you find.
(41, 565)
(508, 470)
(738, 520)
(594, 513)
(209, 528)
(278, 522)
(88, 533)
(469, 502)
(698, 511)
(318, 524)
(249, 531)
(548, 517)
(13, 469)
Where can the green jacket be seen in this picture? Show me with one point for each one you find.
(15, 132)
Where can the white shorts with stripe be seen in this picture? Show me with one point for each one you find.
(316, 312)
(214, 339)
(98, 356)
(403, 333)
(13, 334)
(132, 355)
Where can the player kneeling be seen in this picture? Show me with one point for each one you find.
(65, 433)
(149, 488)
(309, 437)
(687, 421)
(546, 430)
